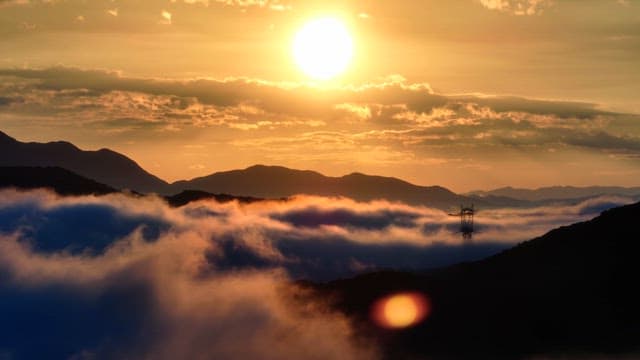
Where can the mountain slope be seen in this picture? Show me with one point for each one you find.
(62, 181)
(569, 292)
(277, 182)
(105, 166)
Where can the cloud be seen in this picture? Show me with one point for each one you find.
(393, 102)
(158, 299)
(212, 280)
(270, 4)
(280, 234)
(518, 7)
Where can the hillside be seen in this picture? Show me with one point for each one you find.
(569, 292)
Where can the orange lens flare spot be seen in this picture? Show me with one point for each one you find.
(401, 310)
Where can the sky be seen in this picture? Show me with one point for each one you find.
(467, 94)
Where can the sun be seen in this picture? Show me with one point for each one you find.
(323, 48)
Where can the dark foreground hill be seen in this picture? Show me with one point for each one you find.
(278, 182)
(62, 181)
(105, 166)
(571, 292)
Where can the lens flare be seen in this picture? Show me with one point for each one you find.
(402, 310)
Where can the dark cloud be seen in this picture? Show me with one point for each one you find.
(561, 109)
(603, 140)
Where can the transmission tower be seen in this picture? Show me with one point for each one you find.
(466, 215)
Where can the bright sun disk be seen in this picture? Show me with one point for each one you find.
(323, 48)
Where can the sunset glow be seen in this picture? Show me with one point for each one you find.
(304, 179)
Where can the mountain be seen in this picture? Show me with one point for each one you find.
(568, 294)
(278, 182)
(60, 180)
(558, 192)
(105, 166)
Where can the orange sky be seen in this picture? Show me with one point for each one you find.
(468, 94)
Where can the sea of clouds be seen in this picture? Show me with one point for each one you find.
(120, 276)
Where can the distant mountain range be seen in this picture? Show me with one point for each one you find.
(119, 172)
(568, 294)
(557, 192)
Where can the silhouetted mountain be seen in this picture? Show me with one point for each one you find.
(569, 292)
(558, 192)
(278, 182)
(188, 196)
(62, 181)
(105, 166)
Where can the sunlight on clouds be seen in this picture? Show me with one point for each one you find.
(361, 111)
(270, 4)
(389, 127)
(518, 7)
(166, 17)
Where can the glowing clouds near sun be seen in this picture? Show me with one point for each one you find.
(402, 310)
(323, 48)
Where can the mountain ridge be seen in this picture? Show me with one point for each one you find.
(268, 181)
(258, 181)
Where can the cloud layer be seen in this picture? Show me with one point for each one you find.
(214, 280)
